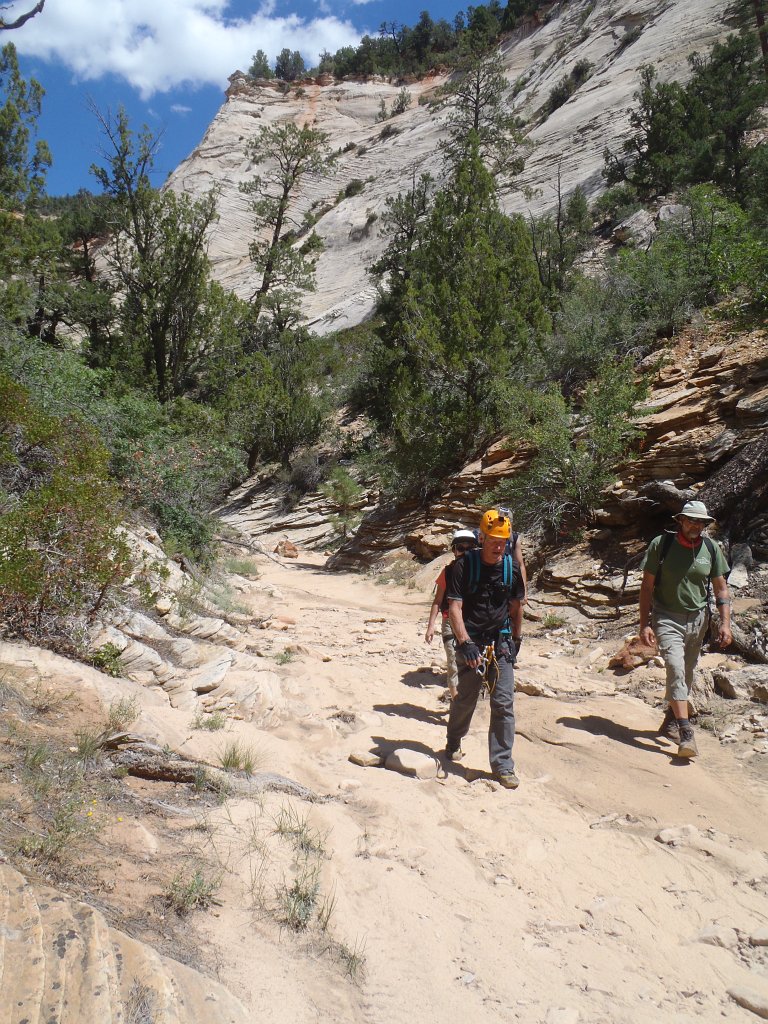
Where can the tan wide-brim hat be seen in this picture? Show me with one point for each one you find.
(695, 510)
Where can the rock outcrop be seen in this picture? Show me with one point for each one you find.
(62, 962)
(616, 39)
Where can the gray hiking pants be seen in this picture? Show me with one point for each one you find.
(501, 731)
(680, 636)
(450, 656)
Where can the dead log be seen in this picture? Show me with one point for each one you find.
(145, 761)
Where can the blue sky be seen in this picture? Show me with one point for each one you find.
(167, 62)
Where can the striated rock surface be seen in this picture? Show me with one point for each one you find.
(62, 962)
(536, 57)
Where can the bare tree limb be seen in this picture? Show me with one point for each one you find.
(6, 26)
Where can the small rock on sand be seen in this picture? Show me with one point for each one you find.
(365, 759)
(413, 762)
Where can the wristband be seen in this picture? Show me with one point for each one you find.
(720, 601)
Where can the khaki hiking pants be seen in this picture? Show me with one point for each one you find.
(450, 657)
(680, 636)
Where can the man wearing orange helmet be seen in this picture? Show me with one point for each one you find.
(486, 614)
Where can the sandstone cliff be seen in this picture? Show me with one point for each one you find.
(617, 39)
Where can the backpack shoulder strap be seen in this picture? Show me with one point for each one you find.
(509, 570)
(474, 569)
(666, 544)
(712, 554)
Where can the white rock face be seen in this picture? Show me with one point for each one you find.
(572, 138)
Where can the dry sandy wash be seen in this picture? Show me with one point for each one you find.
(615, 885)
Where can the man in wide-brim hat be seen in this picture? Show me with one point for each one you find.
(678, 572)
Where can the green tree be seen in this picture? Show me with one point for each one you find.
(456, 331)
(558, 239)
(260, 67)
(728, 91)
(22, 164)
(292, 154)
(270, 397)
(697, 133)
(289, 65)
(347, 498)
(479, 113)
(158, 253)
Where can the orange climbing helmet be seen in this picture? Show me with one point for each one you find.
(496, 524)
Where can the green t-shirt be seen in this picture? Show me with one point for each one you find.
(684, 574)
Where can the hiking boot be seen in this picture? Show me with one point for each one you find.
(687, 746)
(669, 728)
(455, 755)
(508, 780)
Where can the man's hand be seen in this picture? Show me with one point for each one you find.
(724, 636)
(429, 635)
(471, 653)
(648, 637)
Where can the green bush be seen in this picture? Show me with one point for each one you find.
(576, 449)
(173, 461)
(353, 188)
(346, 495)
(59, 518)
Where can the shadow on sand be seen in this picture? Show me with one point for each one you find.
(648, 740)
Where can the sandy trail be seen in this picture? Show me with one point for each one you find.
(555, 903)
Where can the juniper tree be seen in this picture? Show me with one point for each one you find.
(457, 326)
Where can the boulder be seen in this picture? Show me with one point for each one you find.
(749, 999)
(638, 229)
(749, 683)
(286, 549)
(413, 762)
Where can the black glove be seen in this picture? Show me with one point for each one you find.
(470, 651)
(517, 643)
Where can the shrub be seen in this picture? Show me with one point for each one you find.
(107, 658)
(615, 204)
(122, 713)
(354, 188)
(402, 102)
(235, 757)
(564, 481)
(191, 891)
(59, 519)
(567, 86)
(346, 495)
(388, 132)
(298, 901)
(209, 722)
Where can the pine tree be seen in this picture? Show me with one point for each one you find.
(290, 154)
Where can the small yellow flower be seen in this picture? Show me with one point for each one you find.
(119, 819)
(89, 814)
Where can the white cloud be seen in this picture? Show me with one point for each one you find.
(179, 108)
(156, 45)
